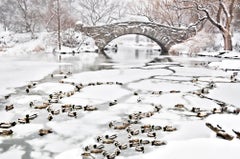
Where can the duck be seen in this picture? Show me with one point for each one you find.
(224, 135)
(175, 91)
(194, 79)
(50, 117)
(66, 108)
(9, 107)
(134, 142)
(72, 114)
(119, 83)
(148, 114)
(202, 114)
(43, 132)
(179, 106)
(144, 142)
(27, 90)
(111, 156)
(236, 111)
(53, 101)
(195, 110)
(169, 128)
(152, 134)
(89, 108)
(217, 111)
(78, 88)
(77, 107)
(237, 133)
(25, 120)
(213, 128)
(114, 136)
(55, 112)
(43, 106)
(121, 127)
(135, 93)
(158, 143)
(7, 125)
(139, 149)
(87, 155)
(101, 146)
(204, 90)
(212, 85)
(157, 108)
(156, 127)
(6, 132)
(113, 103)
(139, 99)
(233, 78)
(7, 96)
(96, 150)
(157, 92)
(99, 83)
(146, 128)
(31, 117)
(134, 132)
(107, 141)
(110, 83)
(123, 146)
(31, 104)
(235, 73)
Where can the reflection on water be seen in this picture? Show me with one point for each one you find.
(128, 54)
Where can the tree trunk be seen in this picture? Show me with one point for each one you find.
(227, 41)
(59, 25)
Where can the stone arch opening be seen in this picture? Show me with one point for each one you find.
(162, 47)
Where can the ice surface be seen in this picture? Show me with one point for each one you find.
(13, 152)
(119, 75)
(16, 72)
(49, 87)
(228, 92)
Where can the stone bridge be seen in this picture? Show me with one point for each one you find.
(164, 36)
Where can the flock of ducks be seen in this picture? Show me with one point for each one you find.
(137, 135)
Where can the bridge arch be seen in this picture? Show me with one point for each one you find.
(164, 36)
(163, 49)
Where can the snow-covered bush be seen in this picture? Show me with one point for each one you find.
(201, 42)
(72, 39)
(7, 39)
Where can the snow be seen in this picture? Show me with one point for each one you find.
(49, 87)
(156, 85)
(228, 92)
(226, 64)
(73, 154)
(24, 71)
(96, 95)
(21, 130)
(13, 152)
(119, 75)
(196, 148)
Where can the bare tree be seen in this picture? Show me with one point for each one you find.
(219, 13)
(95, 12)
(165, 12)
(29, 14)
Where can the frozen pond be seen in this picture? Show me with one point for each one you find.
(84, 97)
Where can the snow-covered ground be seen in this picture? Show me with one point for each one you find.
(118, 89)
